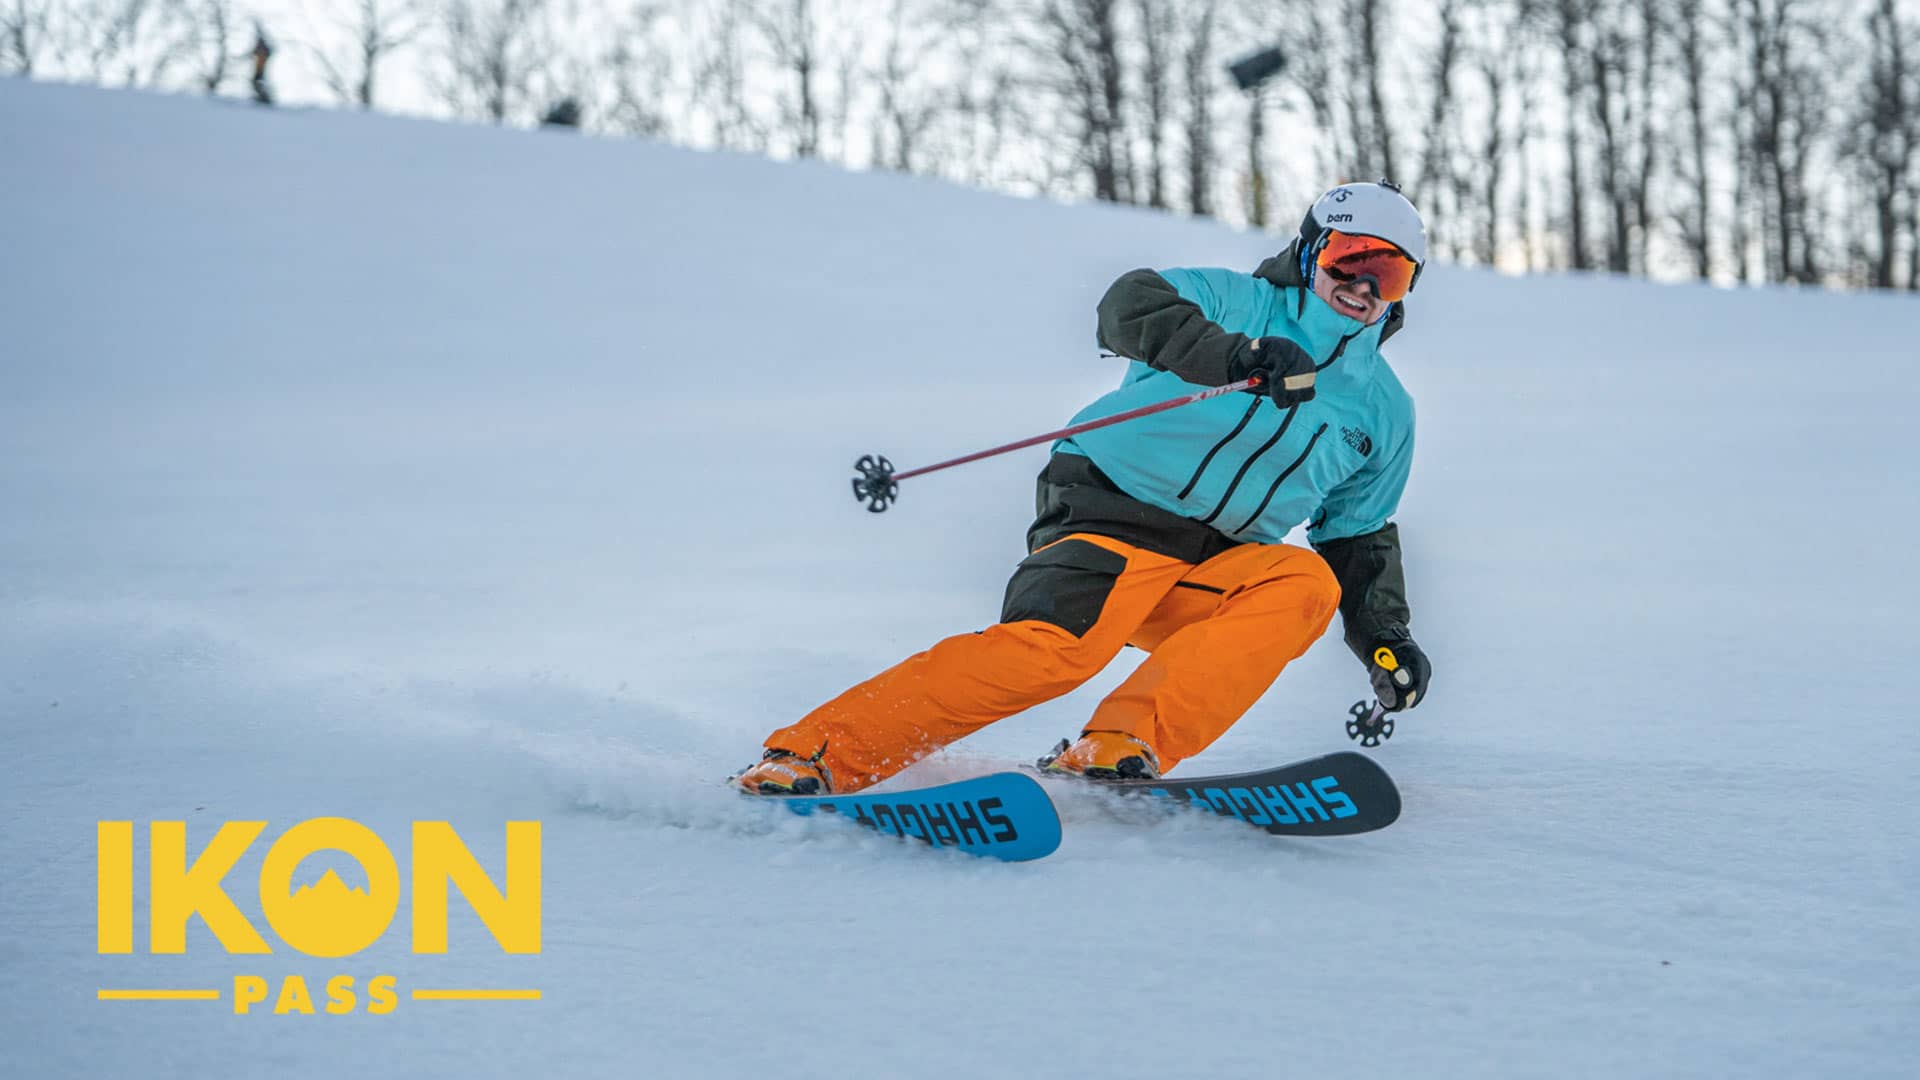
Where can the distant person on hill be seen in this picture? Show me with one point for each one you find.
(262, 52)
(1167, 532)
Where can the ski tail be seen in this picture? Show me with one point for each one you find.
(1337, 794)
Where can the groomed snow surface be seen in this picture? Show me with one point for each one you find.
(395, 470)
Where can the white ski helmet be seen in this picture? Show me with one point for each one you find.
(1362, 209)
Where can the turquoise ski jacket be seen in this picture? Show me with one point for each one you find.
(1239, 463)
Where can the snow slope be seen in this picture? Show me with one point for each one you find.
(397, 470)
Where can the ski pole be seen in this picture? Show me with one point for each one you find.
(878, 485)
(1372, 724)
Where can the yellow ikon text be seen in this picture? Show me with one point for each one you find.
(324, 918)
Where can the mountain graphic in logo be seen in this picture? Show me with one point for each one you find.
(329, 906)
(1359, 440)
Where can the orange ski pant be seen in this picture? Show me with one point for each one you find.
(1217, 633)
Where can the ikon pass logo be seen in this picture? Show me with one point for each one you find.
(323, 918)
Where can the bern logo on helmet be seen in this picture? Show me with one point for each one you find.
(1359, 440)
(1339, 219)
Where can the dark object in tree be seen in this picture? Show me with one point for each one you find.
(262, 52)
(564, 113)
(1250, 71)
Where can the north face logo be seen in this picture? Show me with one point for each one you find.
(1359, 440)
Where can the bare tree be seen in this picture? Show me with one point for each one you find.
(1692, 167)
(1913, 241)
(790, 29)
(1913, 173)
(909, 103)
(1572, 29)
(1318, 56)
(1158, 29)
(1377, 146)
(124, 42)
(1493, 32)
(377, 28)
(1652, 29)
(1785, 96)
(1103, 19)
(1606, 56)
(721, 70)
(23, 32)
(1200, 88)
(1080, 39)
(1438, 169)
(638, 68)
(493, 50)
(992, 99)
(1528, 67)
(1809, 100)
(1758, 197)
(213, 47)
(1741, 213)
(1888, 155)
(848, 86)
(1910, 47)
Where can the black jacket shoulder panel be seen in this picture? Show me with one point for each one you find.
(1144, 318)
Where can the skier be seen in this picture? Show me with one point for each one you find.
(262, 52)
(1166, 532)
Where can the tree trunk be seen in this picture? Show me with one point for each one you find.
(1376, 100)
(1742, 213)
(1526, 78)
(1103, 25)
(1436, 164)
(20, 28)
(1652, 32)
(1084, 39)
(1570, 12)
(1199, 61)
(1913, 241)
(1890, 153)
(1493, 157)
(1156, 28)
(1693, 70)
(1605, 58)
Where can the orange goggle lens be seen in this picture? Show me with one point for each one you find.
(1347, 258)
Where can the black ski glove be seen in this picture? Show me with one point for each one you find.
(1399, 672)
(1285, 369)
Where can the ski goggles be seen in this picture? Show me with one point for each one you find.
(1345, 257)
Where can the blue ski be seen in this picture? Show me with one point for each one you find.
(1002, 815)
(1334, 795)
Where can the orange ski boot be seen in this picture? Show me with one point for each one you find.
(782, 772)
(1104, 755)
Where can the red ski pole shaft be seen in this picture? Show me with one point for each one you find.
(1090, 425)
